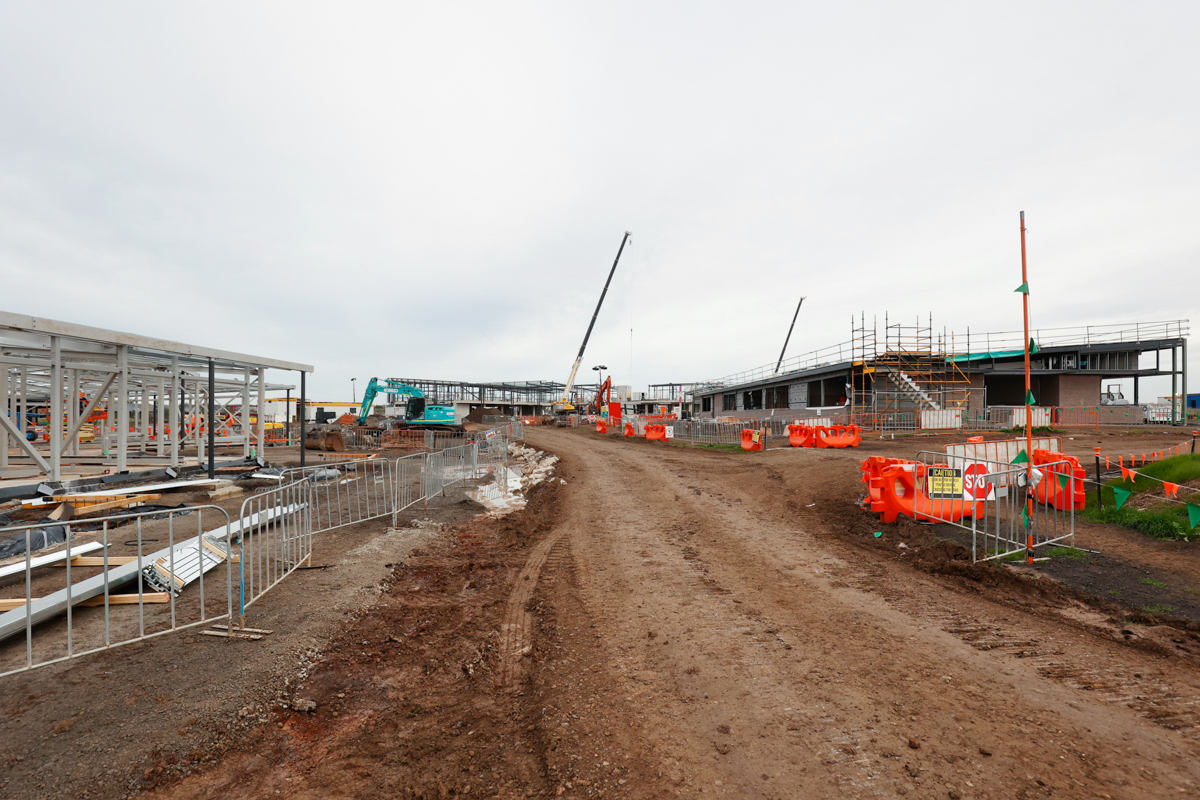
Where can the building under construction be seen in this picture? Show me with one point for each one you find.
(890, 373)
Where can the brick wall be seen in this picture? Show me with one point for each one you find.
(1078, 390)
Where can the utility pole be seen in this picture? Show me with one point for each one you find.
(1024, 290)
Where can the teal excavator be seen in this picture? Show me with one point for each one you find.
(418, 415)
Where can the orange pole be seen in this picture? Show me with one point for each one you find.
(1028, 405)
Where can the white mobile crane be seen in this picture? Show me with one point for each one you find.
(564, 405)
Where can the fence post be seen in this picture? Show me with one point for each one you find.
(1099, 485)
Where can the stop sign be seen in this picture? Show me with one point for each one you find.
(975, 487)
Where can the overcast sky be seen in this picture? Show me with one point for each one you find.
(438, 190)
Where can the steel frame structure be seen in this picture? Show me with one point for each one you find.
(158, 396)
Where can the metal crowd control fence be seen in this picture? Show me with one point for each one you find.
(347, 492)
(281, 521)
(408, 480)
(458, 464)
(993, 495)
(433, 476)
(60, 615)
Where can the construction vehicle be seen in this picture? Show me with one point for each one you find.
(418, 415)
(603, 397)
(564, 406)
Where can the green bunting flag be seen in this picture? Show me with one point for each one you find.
(1025, 518)
(1193, 514)
(1021, 458)
(1063, 480)
(1033, 348)
(1029, 399)
(1120, 495)
(1023, 288)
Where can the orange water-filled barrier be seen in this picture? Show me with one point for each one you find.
(656, 433)
(824, 435)
(601, 426)
(629, 429)
(872, 470)
(1050, 490)
(752, 439)
(894, 492)
(801, 435)
(839, 436)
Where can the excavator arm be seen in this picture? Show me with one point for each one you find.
(375, 386)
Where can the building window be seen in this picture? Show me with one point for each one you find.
(728, 402)
(777, 397)
(706, 403)
(752, 400)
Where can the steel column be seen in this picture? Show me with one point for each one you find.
(54, 418)
(301, 413)
(212, 428)
(262, 407)
(246, 412)
(176, 397)
(122, 408)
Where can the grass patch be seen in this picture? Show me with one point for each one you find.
(1162, 520)
(1154, 583)
(1072, 553)
(1037, 431)
(1160, 609)
(1115, 592)
(711, 446)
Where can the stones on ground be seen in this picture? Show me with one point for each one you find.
(914, 744)
(304, 706)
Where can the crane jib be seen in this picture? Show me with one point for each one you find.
(596, 313)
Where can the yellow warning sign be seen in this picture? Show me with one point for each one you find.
(944, 482)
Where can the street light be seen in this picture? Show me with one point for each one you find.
(353, 394)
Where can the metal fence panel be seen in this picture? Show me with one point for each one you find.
(996, 521)
(347, 492)
(62, 624)
(274, 537)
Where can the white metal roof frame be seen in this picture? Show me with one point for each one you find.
(146, 346)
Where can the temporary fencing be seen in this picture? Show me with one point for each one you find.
(225, 565)
(347, 492)
(79, 618)
(1000, 524)
(951, 489)
(283, 522)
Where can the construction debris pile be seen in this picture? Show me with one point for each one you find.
(527, 467)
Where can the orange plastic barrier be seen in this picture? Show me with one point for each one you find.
(872, 470)
(839, 436)
(801, 435)
(1050, 490)
(601, 426)
(824, 435)
(752, 439)
(893, 491)
(656, 433)
(629, 429)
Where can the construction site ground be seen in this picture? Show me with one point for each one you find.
(669, 621)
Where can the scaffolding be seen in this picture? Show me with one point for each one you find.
(912, 371)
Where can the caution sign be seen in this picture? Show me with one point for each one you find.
(670, 431)
(943, 482)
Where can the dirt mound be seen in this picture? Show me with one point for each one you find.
(405, 704)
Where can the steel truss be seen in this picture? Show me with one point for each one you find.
(148, 397)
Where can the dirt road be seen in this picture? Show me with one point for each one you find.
(696, 623)
(755, 659)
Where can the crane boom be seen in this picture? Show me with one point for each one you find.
(579, 359)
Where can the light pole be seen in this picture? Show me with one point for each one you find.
(353, 391)
(599, 385)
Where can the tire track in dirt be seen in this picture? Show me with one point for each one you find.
(516, 628)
